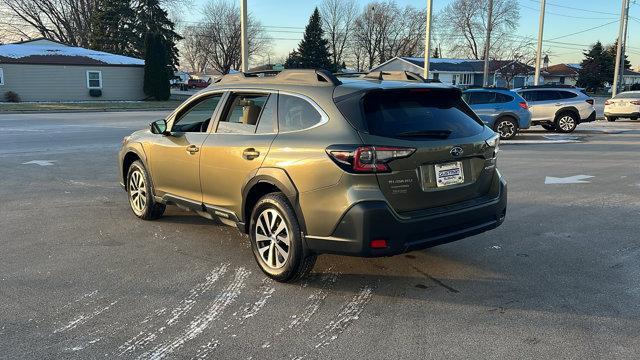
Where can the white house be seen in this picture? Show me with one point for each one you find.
(46, 70)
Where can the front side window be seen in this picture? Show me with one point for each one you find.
(94, 79)
(243, 114)
(197, 117)
(1, 76)
(296, 113)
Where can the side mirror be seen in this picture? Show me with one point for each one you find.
(159, 127)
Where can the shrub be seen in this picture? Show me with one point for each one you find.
(10, 96)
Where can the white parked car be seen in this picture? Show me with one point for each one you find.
(623, 105)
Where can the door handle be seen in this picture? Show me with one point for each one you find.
(250, 153)
(192, 149)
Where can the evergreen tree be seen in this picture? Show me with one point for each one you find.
(612, 51)
(595, 68)
(313, 50)
(112, 27)
(156, 68)
(152, 18)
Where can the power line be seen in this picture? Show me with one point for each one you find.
(565, 15)
(583, 31)
(574, 8)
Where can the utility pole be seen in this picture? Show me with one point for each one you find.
(487, 45)
(536, 79)
(618, 74)
(427, 40)
(244, 43)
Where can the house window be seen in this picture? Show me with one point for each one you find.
(94, 79)
(436, 76)
(1, 76)
(462, 79)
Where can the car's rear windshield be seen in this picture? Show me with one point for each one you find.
(628, 95)
(418, 114)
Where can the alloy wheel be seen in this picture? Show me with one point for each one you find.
(137, 192)
(566, 123)
(272, 238)
(506, 129)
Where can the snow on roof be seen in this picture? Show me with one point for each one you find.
(575, 66)
(61, 54)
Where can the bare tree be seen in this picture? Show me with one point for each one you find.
(464, 24)
(221, 29)
(337, 21)
(62, 20)
(193, 48)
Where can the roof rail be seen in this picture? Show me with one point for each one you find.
(488, 88)
(291, 77)
(394, 75)
(557, 86)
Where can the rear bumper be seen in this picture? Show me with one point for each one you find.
(371, 220)
(623, 115)
(590, 118)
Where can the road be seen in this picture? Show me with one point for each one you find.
(81, 277)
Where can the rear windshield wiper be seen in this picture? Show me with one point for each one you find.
(438, 134)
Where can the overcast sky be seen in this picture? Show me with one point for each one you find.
(285, 20)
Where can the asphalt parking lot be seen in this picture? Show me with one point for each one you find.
(81, 277)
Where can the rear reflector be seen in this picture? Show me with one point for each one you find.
(379, 244)
(523, 105)
(590, 101)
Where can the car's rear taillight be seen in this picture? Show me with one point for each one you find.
(635, 102)
(367, 159)
(608, 102)
(590, 101)
(523, 105)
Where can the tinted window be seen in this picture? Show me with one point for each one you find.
(503, 98)
(628, 95)
(197, 117)
(393, 113)
(529, 95)
(243, 114)
(482, 97)
(567, 94)
(549, 95)
(295, 113)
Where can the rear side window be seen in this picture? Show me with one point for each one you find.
(567, 94)
(503, 98)
(296, 113)
(409, 113)
(481, 97)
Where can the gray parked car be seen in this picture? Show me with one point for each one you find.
(558, 108)
(500, 109)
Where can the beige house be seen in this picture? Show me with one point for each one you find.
(46, 70)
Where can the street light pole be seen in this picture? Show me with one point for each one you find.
(427, 40)
(244, 43)
(536, 79)
(618, 76)
(487, 45)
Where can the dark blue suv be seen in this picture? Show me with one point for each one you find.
(501, 109)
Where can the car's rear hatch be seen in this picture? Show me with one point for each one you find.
(452, 162)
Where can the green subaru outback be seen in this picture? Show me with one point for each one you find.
(306, 164)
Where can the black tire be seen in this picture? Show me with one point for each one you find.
(151, 209)
(611, 118)
(506, 127)
(566, 122)
(298, 262)
(548, 126)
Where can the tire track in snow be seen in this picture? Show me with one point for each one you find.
(204, 319)
(83, 318)
(314, 301)
(349, 313)
(185, 305)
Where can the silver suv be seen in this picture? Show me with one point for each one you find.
(558, 108)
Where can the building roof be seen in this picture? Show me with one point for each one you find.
(455, 65)
(628, 72)
(48, 52)
(560, 70)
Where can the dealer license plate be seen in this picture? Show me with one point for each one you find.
(449, 174)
